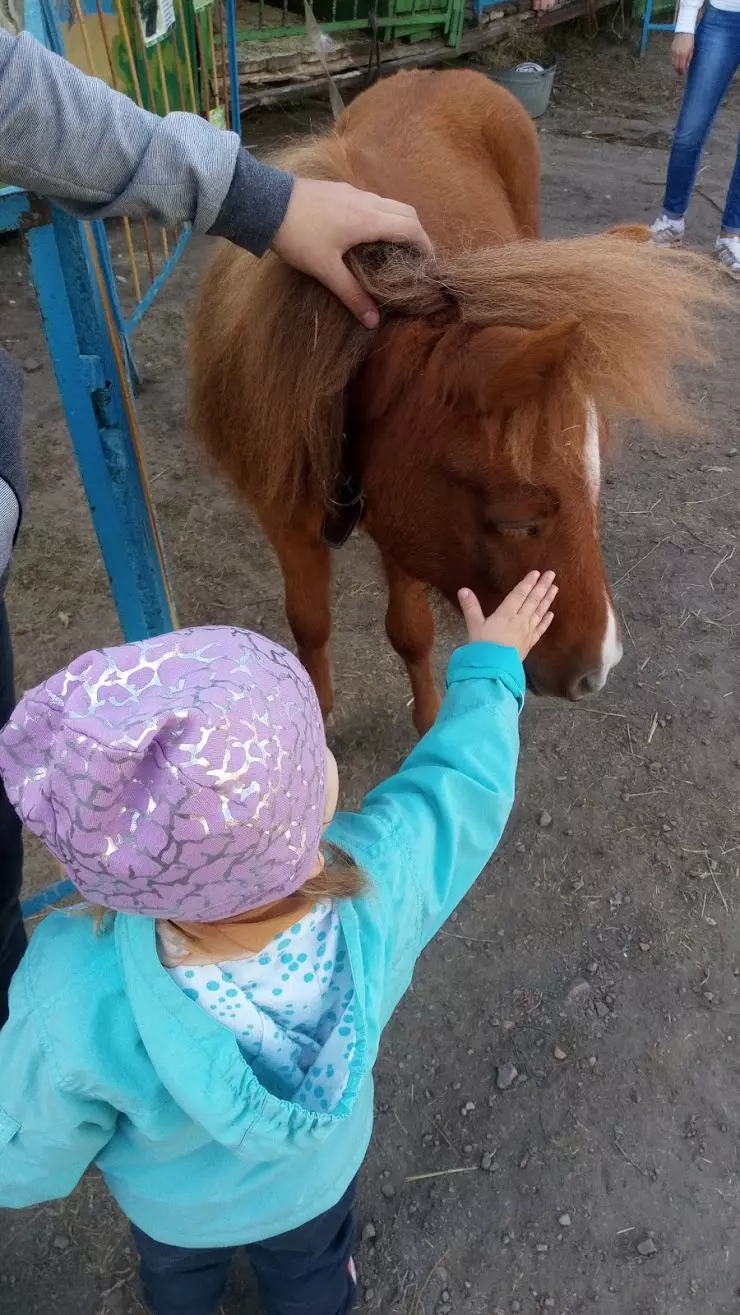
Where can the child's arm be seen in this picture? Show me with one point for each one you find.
(50, 1129)
(425, 834)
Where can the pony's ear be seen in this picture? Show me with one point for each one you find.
(504, 366)
(630, 232)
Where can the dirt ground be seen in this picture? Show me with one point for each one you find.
(600, 952)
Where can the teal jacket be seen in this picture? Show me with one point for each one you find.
(104, 1059)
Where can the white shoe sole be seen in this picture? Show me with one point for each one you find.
(726, 269)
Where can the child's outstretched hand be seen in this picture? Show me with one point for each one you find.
(520, 621)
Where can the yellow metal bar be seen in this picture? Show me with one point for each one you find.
(214, 61)
(205, 79)
(91, 70)
(148, 245)
(85, 38)
(132, 259)
(104, 34)
(123, 25)
(188, 63)
(126, 225)
(178, 71)
(147, 73)
(163, 77)
(153, 104)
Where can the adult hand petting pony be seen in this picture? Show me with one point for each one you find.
(520, 621)
(325, 220)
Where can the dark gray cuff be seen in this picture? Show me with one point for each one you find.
(255, 204)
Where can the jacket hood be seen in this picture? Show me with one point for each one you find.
(201, 1064)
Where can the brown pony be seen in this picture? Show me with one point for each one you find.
(474, 420)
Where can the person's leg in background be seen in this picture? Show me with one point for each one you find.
(715, 61)
(181, 1280)
(731, 216)
(728, 242)
(309, 1271)
(12, 932)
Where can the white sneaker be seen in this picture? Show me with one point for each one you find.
(728, 255)
(667, 232)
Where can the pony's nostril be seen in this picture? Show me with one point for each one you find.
(591, 683)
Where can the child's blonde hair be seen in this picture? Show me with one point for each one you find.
(340, 878)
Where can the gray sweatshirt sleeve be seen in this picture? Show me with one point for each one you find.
(75, 140)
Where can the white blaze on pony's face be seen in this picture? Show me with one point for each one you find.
(611, 648)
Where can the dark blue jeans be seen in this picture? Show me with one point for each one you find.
(12, 934)
(304, 1272)
(716, 60)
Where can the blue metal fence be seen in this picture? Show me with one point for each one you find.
(88, 339)
(649, 26)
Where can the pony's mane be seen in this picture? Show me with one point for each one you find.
(273, 353)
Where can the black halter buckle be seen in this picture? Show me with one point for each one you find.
(343, 514)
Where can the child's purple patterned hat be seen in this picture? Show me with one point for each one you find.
(180, 777)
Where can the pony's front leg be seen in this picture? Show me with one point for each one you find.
(410, 627)
(306, 566)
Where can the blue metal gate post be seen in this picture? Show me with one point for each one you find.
(649, 26)
(91, 384)
(233, 65)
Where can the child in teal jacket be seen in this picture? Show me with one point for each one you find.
(208, 1037)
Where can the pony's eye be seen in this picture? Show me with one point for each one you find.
(513, 529)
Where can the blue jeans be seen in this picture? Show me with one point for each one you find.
(716, 60)
(304, 1272)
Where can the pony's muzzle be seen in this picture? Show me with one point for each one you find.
(591, 683)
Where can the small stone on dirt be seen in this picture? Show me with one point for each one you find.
(564, 1221)
(647, 1248)
(559, 1053)
(544, 819)
(601, 1008)
(578, 991)
(60, 1242)
(369, 1233)
(31, 365)
(369, 1294)
(541, 1248)
(645, 946)
(388, 1191)
(506, 1076)
(486, 1160)
(444, 1296)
